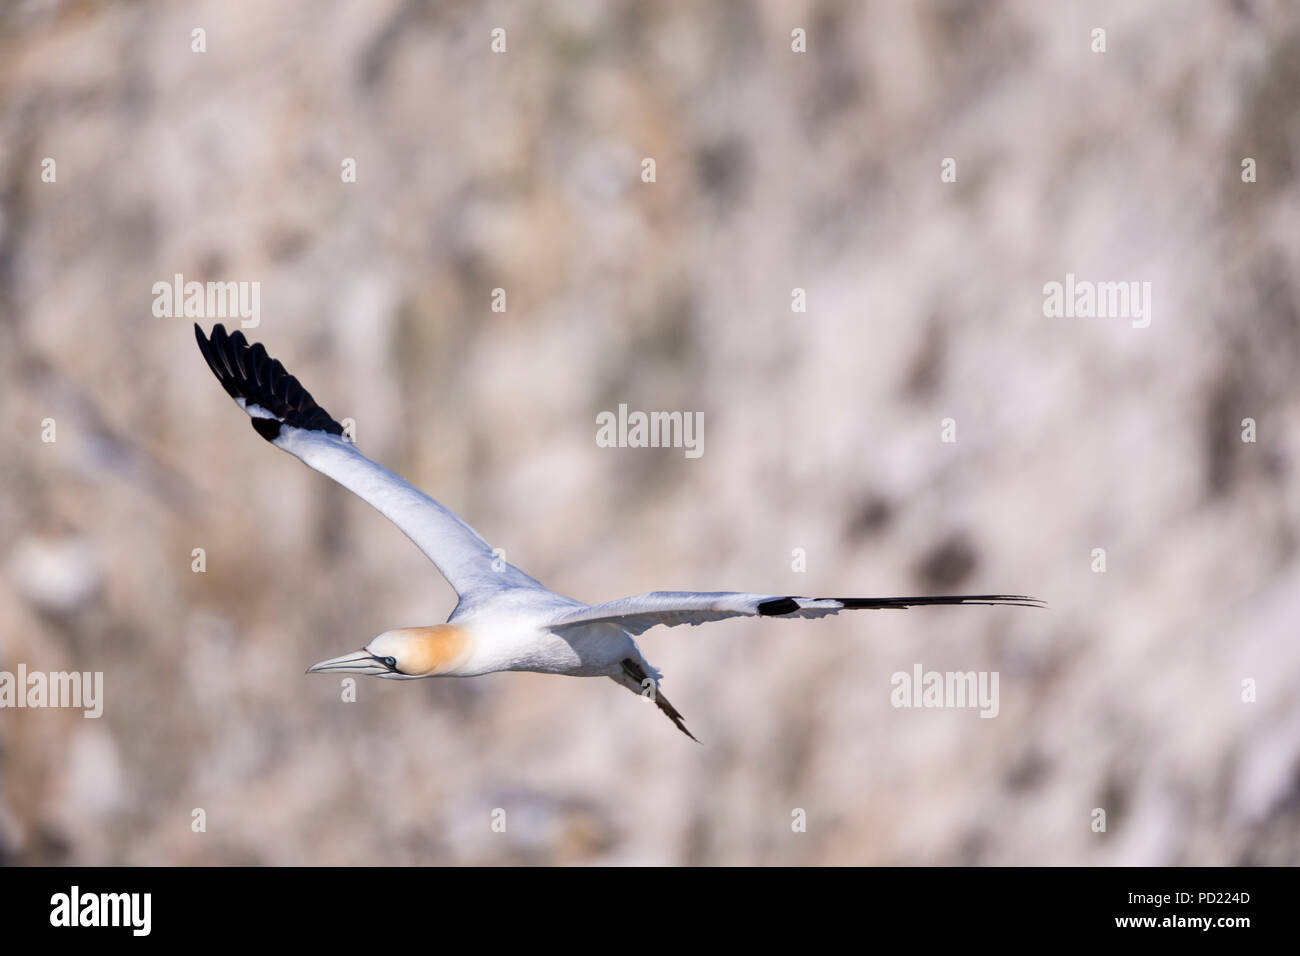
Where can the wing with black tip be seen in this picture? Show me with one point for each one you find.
(641, 612)
(285, 414)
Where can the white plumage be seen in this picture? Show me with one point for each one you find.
(505, 620)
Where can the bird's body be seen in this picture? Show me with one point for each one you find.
(518, 639)
(505, 620)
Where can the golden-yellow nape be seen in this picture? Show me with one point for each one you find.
(423, 651)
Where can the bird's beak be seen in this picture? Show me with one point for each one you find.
(358, 662)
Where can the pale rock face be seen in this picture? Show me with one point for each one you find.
(60, 575)
(1139, 692)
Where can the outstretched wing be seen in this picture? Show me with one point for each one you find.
(641, 612)
(285, 414)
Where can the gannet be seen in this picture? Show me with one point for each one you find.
(504, 620)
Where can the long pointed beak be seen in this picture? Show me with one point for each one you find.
(358, 662)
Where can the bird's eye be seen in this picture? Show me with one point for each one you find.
(391, 663)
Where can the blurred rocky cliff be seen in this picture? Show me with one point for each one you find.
(775, 170)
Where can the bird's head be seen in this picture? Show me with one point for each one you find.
(403, 653)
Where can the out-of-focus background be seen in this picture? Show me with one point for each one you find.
(775, 170)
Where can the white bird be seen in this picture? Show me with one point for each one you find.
(504, 620)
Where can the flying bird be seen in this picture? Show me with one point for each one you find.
(504, 619)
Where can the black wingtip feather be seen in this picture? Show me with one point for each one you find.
(248, 372)
(268, 428)
(778, 606)
(1009, 600)
(789, 605)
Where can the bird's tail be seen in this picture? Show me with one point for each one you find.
(634, 678)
